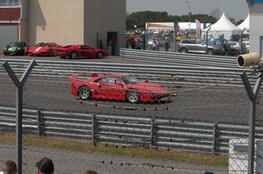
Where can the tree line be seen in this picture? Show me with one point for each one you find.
(138, 19)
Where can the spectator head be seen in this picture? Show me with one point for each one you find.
(45, 166)
(9, 167)
(90, 172)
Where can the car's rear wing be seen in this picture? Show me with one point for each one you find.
(83, 76)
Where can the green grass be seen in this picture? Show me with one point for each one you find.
(83, 146)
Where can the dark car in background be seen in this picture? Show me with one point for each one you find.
(231, 48)
(16, 48)
(198, 46)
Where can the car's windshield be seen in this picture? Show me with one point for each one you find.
(130, 79)
(42, 44)
(14, 44)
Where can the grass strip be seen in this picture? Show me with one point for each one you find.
(84, 146)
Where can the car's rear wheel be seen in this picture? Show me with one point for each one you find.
(132, 96)
(99, 55)
(183, 50)
(84, 93)
(73, 55)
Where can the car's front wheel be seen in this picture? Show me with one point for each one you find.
(132, 96)
(99, 55)
(183, 50)
(84, 93)
(73, 55)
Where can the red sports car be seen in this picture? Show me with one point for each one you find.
(44, 49)
(81, 51)
(116, 87)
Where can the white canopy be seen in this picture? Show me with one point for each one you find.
(222, 26)
(245, 24)
(170, 25)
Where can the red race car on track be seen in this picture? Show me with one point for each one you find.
(117, 87)
(44, 49)
(81, 51)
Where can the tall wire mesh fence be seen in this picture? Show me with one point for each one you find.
(136, 124)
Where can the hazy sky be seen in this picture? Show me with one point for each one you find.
(237, 9)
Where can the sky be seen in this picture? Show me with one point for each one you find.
(237, 9)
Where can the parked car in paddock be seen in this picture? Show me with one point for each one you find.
(198, 46)
(81, 51)
(247, 44)
(117, 87)
(231, 48)
(15, 48)
(44, 49)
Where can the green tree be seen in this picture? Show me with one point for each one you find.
(139, 19)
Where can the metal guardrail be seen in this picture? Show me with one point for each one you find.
(129, 131)
(179, 59)
(157, 73)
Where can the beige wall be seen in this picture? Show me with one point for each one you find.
(255, 30)
(59, 21)
(102, 17)
(75, 21)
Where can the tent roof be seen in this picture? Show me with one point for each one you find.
(223, 24)
(245, 24)
(170, 25)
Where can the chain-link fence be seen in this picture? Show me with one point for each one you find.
(118, 120)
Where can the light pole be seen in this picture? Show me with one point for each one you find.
(190, 16)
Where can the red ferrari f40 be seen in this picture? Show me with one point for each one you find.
(117, 87)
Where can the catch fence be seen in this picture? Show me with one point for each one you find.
(209, 109)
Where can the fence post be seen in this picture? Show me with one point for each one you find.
(19, 108)
(93, 129)
(216, 143)
(39, 123)
(152, 132)
(252, 95)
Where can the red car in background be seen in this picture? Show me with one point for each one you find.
(44, 49)
(81, 51)
(117, 87)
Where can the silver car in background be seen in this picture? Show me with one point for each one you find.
(198, 46)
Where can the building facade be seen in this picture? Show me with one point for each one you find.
(69, 22)
(10, 14)
(256, 32)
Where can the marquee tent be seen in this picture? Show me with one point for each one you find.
(245, 24)
(222, 27)
(170, 25)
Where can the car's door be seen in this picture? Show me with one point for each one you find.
(111, 88)
(198, 46)
(86, 51)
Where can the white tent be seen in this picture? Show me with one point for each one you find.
(222, 27)
(245, 24)
(170, 25)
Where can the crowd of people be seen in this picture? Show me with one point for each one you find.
(43, 166)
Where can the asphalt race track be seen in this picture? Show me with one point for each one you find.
(208, 103)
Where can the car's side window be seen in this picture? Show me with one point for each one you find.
(198, 41)
(114, 80)
(104, 80)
